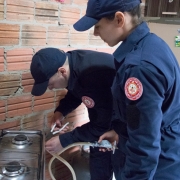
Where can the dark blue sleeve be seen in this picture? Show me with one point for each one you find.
(100, 118)
(88, 132)
(115, 121)
(68, 103)
(144, 117)
(85, 133)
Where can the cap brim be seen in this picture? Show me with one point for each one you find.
(39, 89)
(85, 23)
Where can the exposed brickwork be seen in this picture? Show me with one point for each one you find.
(33, 35)
(9, 84)
(27, 82)
(69, 15)
(46, 12)
(19, 105)
(83, 12)
(79, 38)
(44, 102)
(80, 2)
(58, 36)
(19, 59)
(22, 3)
(9, 34)
(1, 59)
(49, 117)
(1, 9)
(34, 122)
(2, 110)
(63, 1)
(20, 10)
(13, 124)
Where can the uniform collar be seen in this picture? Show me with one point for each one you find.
(127, 45)
(70, 81)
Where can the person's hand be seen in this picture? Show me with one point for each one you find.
(111, 136)
(53, 145)
(58, 118)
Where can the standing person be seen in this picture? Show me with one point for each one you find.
(88, 77)
(145, 90)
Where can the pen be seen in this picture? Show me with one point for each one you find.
(55, 132)
(53, 127)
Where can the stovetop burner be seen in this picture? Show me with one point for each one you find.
(14, 168)
(21, 139)
(21, 155)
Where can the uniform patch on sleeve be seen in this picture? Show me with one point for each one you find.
(133, 88)
(133, 116)
(88, 101)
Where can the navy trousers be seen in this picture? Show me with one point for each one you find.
(100, 164)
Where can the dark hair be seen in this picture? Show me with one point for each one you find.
(135, 13)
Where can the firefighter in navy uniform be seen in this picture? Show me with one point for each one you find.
(88, 77)
(146, 92)
(149, 130)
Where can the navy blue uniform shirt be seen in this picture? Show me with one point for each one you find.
(91, 77)
(146, 94)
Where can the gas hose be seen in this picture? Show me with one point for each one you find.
(103, 143)
(57, 156)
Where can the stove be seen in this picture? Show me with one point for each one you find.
(21, 155)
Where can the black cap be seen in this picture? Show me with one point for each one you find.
(97, 9)
(44, 65)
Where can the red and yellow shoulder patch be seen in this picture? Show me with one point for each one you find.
(88, 101)
(133, 88)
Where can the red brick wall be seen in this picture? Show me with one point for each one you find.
(25, 27)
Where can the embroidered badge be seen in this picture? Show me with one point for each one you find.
(133, 88)
(88, 102)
